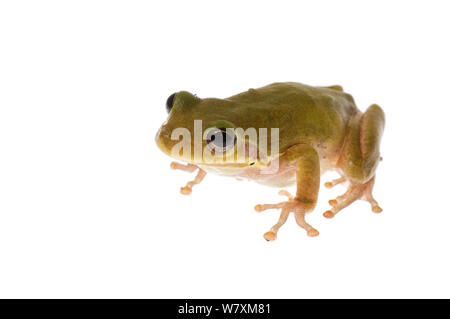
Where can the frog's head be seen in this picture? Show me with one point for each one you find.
(208, 131)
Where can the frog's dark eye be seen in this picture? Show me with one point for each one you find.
(169, 102)
(221, 139)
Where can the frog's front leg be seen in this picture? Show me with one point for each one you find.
(186, 190)
(306, 160)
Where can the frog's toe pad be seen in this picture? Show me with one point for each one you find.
(332, 202)
(259, 208)
(328, 214)
(313, 232)
(270, 236)
(377, 209)
(186, 190)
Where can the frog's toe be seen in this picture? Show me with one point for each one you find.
(182, 167)
(335, 182)
(284, 192)
(271, 235)
(375, 207)
(369, 197)
(187, 190)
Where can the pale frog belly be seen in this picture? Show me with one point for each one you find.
(284, 176)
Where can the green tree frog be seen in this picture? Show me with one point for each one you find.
(317, 129)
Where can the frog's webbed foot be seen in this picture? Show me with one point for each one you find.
(186, 190)
(292, 205)
(353, 193)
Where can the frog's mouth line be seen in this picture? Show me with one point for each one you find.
(227, 164)
(232, 164)
(167, 149)
(249, 162)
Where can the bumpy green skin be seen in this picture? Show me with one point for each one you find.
(323, 118)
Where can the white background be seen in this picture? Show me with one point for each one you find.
(90, 208)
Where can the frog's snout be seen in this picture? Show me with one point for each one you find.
(162, 137)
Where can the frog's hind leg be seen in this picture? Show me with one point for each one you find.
(361, 151)
(186, 190)
(359, 159)
(354, 192)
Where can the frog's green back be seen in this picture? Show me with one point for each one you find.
(304, 114)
